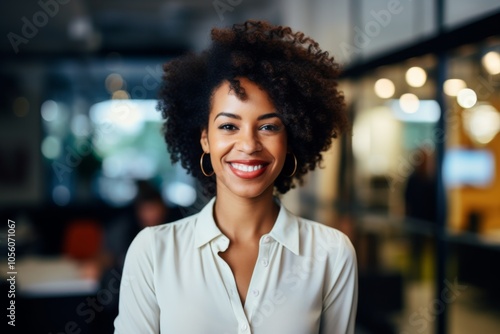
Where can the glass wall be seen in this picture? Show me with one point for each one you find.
(393, 145)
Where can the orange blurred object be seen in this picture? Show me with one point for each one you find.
(82, 239)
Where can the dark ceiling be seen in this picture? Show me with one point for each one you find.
(58, 27)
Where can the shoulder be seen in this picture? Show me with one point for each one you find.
(319, 239)
(173, 227)
(155, 237)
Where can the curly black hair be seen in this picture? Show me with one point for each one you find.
(300, 79)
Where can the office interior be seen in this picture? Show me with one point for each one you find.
(415, 184)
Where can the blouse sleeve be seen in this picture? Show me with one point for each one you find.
(340, 302)
(138, 308)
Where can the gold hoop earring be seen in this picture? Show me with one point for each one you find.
(201, 166)
(295, 166)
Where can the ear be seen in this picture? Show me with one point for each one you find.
(204, 140)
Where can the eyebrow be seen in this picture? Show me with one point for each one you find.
(261, 117)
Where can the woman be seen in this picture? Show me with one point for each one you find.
(248, 117)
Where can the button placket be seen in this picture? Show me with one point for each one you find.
(230, 284)
(258, 282)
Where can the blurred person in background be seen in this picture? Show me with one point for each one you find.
(420, 192)
(420, 205)
(248, 117)
(148, 209)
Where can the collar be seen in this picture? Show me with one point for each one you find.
(285, 229)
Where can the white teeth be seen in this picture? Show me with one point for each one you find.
(246, 168)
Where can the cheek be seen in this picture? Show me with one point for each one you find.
(219, 146)
(279, 150)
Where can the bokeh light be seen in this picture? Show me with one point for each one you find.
(453, 86)
(51, 147)
(61, 195)
(384, 88)
(114, 82)
(466, 98)
(120, 95)
(49, 110)
(482, 123)
(409, 103)
(491, 62)
(416, 76)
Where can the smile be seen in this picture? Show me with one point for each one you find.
(246, 168)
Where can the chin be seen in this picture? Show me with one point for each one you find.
(248, 191)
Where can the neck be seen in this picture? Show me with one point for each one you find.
(244, 219)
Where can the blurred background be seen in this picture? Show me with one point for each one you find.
(415, 185)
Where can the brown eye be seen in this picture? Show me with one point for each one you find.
(228, 127)
(270, 127)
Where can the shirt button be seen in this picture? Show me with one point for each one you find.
(255, 292)
(244, 327)
(267, 239)
(265, 263)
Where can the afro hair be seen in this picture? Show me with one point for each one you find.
(300, 79)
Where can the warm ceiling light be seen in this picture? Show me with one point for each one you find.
(466, 98)
(416, 76)
(384, 88)
(491, 62)
(453, 86)
(409, 103)
(482, 123)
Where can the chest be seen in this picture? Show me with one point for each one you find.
(264, 289)
(241, 260)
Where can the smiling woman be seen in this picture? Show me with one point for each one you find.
(247, 117)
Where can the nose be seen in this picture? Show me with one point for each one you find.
(248, 142)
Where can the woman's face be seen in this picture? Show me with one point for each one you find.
(246, 140)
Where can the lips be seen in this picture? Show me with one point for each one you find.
(248, 169)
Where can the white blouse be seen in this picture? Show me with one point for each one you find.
(175, 282)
